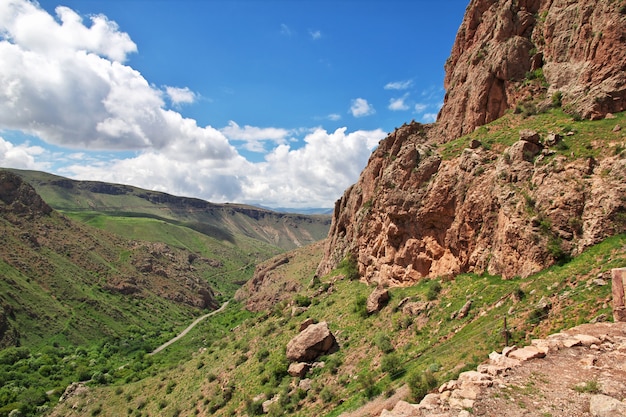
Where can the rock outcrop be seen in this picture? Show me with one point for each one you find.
(568, 373)
(510, 212)
(509, 51)
(314, 341)
(20, 200)
(414, 213)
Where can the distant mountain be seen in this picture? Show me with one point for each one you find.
(221, 221)
(307, 211)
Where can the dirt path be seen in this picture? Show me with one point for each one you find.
(184, 332)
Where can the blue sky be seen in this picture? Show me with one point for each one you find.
(277, 103)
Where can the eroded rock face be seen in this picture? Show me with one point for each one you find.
(313, 342)
(19, 199)
(414, 214)
(513, 212)
(509, 51)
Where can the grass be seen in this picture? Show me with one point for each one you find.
(588, 138)
(248, 350)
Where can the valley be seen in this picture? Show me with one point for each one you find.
(463, 245)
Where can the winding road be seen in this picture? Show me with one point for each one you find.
(191, 326)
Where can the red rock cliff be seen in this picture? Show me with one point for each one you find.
(513, 209)
(574, 47)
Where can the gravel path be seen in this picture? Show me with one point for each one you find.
(184, 332)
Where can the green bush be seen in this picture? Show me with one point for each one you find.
(302, 301)
(360, 306)
(381, 341)
(392, 365)
(420, 383)
(433, 290)
(350, 267)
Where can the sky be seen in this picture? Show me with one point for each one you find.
(277, 103)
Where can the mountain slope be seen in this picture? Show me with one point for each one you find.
(221, 221)
(434, 203)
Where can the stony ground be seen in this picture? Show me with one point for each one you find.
(577, 373)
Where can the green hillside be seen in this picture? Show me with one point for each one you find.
(225, 222)
(242, 363)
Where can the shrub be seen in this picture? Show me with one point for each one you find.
(381, 341)
(557, 98)
(254, 408)
(360, 306)
(392, 365)
(350, 267)
(302, 301)
(368, 384)
(420, 383)
(327, 395)
(433, 290)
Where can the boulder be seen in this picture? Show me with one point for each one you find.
(605, 406)
(298, 369)
(312, 342)
(377, 300)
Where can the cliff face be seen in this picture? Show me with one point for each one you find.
(520, 205)
(571, 47)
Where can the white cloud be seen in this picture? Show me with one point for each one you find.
(180, 95)
(254, 136)
(429, 117)
(76, 92)
(361, 108)
(420, 107)
(334, 117)
(399, 85)
(315, 34)
(314, 175)
(285, 30)
(20, 156)
(27, 25)
(398, 104)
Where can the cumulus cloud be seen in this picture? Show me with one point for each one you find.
(314, 175)
(20, 156)
(254, 136)
(398, 104)
(429, 117)
(399, 85)
(361, 108)
(315, 34)
(420, 107)
(65, 81)
(180, 95)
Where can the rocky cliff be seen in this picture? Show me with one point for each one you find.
(513, 51)
(507, 201)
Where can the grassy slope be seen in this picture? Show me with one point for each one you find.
(225, 222)
(230, 360)
(203, 376)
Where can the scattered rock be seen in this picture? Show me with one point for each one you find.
(475, 144)
(529, 136)
(298, 369)
(605, 406)
(306, 323)
(377, 300)
(527, 353)
(415, 308)
(464, 310)
(314, 341)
